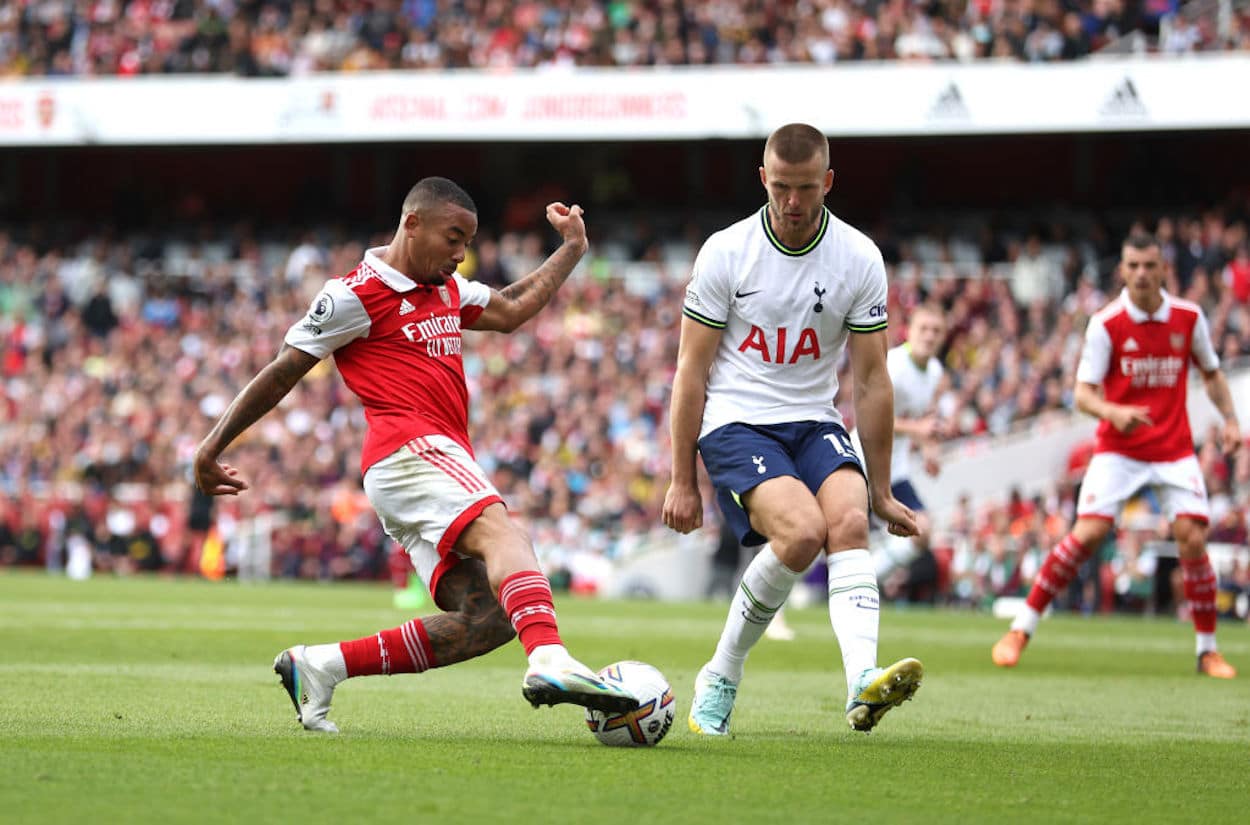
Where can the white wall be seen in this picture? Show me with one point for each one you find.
(988, 467)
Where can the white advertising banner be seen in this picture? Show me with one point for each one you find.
(895, 99)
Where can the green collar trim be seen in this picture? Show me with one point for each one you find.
(789, 250)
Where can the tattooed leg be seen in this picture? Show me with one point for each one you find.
(474, 623)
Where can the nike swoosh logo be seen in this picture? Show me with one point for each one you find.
(745, 294)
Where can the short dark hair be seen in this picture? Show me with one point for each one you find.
(1140, 240)
(798, 143)
(429, 192)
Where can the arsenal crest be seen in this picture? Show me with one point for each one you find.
(445, 295)
(45, 109)
(1177, 340)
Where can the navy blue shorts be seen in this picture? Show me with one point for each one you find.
(739, 457)
(906, 495)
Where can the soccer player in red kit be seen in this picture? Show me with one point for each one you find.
(393, 326)
(1132, 377)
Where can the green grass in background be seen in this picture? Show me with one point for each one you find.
(150, 700)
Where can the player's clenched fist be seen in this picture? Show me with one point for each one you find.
(683, 508)
(567, 220)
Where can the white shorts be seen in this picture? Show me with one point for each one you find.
(1113, 479)
(426, 493)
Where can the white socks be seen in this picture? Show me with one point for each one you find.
(327, 659)
(764, 588)
(854, 610)
(1206, 643)
(1026, 620)
(548, 655)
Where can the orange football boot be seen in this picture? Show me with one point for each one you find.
(1213, 664)
(1007, 652)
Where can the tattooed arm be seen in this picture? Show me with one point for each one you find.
(260, 396)
(517, 303)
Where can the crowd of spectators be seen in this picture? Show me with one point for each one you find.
(992, 550)
(116, 354)
(276, 38)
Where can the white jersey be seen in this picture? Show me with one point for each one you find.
(914, 389)
(785, 314)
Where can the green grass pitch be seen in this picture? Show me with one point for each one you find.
(149, 700)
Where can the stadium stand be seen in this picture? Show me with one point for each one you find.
(253, 38)
(121, 339)
(118, 352)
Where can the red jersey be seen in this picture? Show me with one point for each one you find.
(397, 345)
(1143, 360)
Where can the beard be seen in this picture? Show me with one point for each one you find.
(810, 216)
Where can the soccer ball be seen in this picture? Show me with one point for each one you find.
(639, 728)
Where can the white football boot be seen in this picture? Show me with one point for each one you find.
(564, 680)
(309, 687)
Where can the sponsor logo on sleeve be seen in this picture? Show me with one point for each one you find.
(322, 308)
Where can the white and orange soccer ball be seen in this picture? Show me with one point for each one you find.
(648, 724)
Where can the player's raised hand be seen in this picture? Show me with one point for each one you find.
(899, 517)
(567, 220)
(1128, 417)
(217, 479)
(683, 508)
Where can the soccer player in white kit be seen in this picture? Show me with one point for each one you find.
(393, 326)
(1133, 376)
(915, 372)
(770, 305)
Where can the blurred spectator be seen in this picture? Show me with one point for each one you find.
(1035, 277)
(285, 37)
(118, 353)
(1237, 275)
(98, 315)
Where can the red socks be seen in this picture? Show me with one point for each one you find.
(1199, 580)
(1063, 561)
(526, 598)
(1057, 572)
(404, 649)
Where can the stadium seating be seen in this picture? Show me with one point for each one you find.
(118, 353)
(294, 37)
